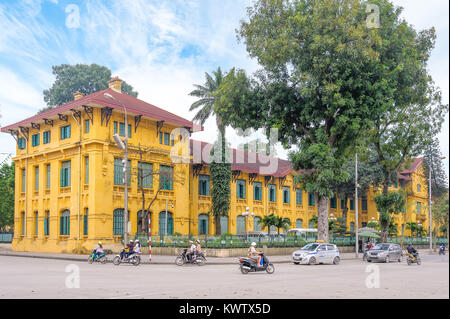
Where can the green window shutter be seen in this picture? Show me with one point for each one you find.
(36, 178)
(166, 139)
(24, 180)
(68, 131)
(87, 126)
(122, 129)
(85, 222)
(115, 127)
(160, 137)
(129, 130)
(86, 170)
(61, 225)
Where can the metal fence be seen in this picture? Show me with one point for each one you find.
(242, 241)
(6, 237)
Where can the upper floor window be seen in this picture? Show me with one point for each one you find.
(46, 137)
(65, 174)
(21, 143)
(35, 139)
(272, 193)
(299, 196)
(24, 181)
(65, 132)
(119, 175)
(36, 178)
(257, 191)
(364, 203)
(203, 185)
(86, 170)
(64, 223)
(120, 127)
(311, 199)
(87, 126)
(165, 138)
(166, 177)
(419, 208)
(333, 202)
(419, 187)
(240, 189)
(48, 176)
(145, 174)
(352, 204)
(286, 195)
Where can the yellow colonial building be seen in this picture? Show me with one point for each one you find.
(69, 190)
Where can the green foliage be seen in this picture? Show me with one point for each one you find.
(281, 223)
(433, 159)
(7, 173)
(388, 204)
(440, 212)
(338, 226)
(314, 219)
(84, 78)
(269, 221)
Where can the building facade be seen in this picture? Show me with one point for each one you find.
(69, 190)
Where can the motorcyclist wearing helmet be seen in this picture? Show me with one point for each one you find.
(191, 252)
(98, 250)
(254, 254)
(198, 249)
(137, 247)
(411, 250)
(126, 252)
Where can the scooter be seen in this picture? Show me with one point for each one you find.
(249, 265)
(134, 259)
(442, 250)
(410, 259)
(183, 259)
(101, 258)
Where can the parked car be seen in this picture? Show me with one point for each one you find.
(317, 253)
(385, 253)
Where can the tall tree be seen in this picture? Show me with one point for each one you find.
(440, 211)
(220, 167)
(316, 85)
(410, 107)
(83, 78)
(7, 173)
(433, 159)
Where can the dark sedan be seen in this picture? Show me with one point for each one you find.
(385, 253)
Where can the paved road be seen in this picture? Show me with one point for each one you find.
(45, 278)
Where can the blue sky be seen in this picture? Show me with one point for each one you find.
(159, 47)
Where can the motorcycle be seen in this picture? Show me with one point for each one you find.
(410, 259)
(134, 259)
(101, 258)
(249, 265)
(442, 250)
(183, 259)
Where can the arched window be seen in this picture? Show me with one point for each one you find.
(162, 223)
(299, 223)
(240, 225)
(223, 224)
(203, 224)
(257, 224)
(118, 221)
(142, 225)
(64, 223)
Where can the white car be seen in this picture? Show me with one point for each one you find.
(317, 253)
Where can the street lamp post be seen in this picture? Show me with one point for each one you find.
(247, 214)
(356, 206)
(124, 147)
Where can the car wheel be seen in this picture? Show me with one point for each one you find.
(387, 260)
(296, 263)
(312, 261)
(336, 260)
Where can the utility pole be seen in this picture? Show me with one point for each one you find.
(356, 206)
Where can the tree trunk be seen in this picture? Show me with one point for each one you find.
(345, 211)
(217, 224)
(322, 218)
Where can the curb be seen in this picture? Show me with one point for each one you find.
(144, 262)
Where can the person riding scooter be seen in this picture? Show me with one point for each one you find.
(126, 252)
(98, 250)
(190, 254)
(411, 250)
(198, 249)
(254, 254)
(136, 249)
(442, 249)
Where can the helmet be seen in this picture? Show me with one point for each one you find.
(190, 242)
(131, 240)
(99, 242)
(197, 241)
(253, 244)
(137, 240)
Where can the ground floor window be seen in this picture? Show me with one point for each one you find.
(165, 224)
(299, 223)
(203, 223)
(223, 224)
(85, 221)
(240, 225)
(257, 224)
(118, 220)
(64, 223)
(142, 223)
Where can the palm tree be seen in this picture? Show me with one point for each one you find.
(268, 221)
(281, 222)
(206, 101)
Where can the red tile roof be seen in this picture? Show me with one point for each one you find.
(133, 105)
(243, 161)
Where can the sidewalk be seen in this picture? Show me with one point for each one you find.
(5, 250)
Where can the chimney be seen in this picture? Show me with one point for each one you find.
(77, 95)
(115, 84)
